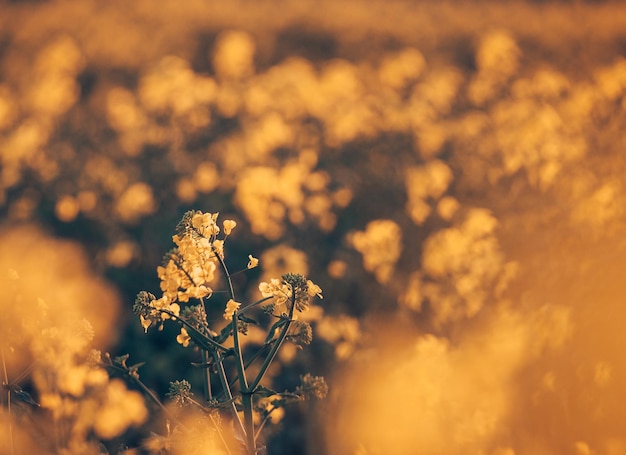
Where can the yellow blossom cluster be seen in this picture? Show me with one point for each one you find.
(268, 196)
(381, 245)
(48, 92)
(342, 331)
(278, 289)
(462, 266)
(425, 183)
(190, 268)
(497, 59)
(283, 291)
(460, 395)
(47, 330)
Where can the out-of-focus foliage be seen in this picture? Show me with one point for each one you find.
(451, 173)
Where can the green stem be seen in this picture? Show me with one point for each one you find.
(208, 393)
(249, 362)
(226, 274)
(264, 421)
(250, 305)
(277, 344)
(248, 416)
(246, 396)
(270, 356)
(222, 375)
(206, 373)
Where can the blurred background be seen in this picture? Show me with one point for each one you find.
(450, 173)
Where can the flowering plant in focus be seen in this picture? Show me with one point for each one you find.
(188, 274)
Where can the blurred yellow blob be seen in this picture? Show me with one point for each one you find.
(411, 394)
(233, 55)
(121, 253)
(47, 283)
(381, 245)
(121, 408)
(67, 208)
(283, 259)
(423, 183)
(206, 178)
(136, 202)
(400, 68)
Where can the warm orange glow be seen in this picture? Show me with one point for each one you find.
(452, 171)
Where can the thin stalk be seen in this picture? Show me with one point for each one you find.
(208, 393)
(270, 356)
(248, 362)
(243, 381)
(250, 305)
(219, 432)
(246, 396)
(277, 344)
(231, 291)
(206, 373)
(222, 375)
(264, 421)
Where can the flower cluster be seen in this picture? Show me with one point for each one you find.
(291, 289)
(312, 386)
(187, 272)
(381, 245)
(180, 392)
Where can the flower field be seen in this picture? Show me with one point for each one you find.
(312, 227)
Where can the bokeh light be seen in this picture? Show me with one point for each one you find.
(450, 173)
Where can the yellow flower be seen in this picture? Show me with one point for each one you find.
(145, 323)
(276, 288)
(183, 338)
(218, 245)
(231, 307)
(314, 289)
(253, 262)
(198, 292)
(229, 225)
(205, 223)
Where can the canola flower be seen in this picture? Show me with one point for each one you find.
(188, 275)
